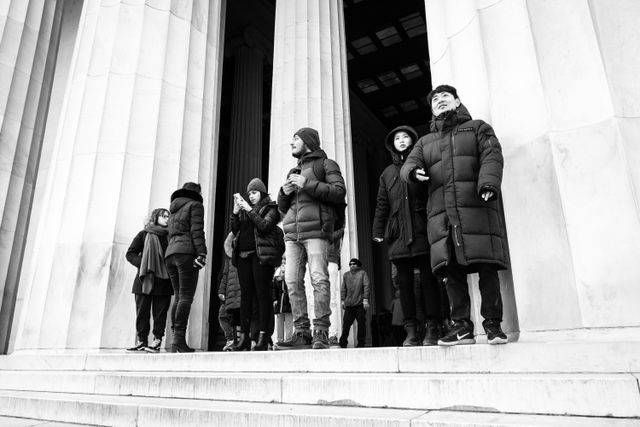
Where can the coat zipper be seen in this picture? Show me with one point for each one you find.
(455, 235)
(453, 181)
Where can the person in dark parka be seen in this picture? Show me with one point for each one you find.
(229, 295)
(256, 256)
(151, 286)
(462, 161)
(400, 220)
(185, 256)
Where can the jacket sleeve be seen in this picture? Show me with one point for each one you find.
(284, 202)
(365, 285)
(222, 288)
(491, 160)
(382, 210)
(266, 224)
(413, 162)
(197, 228)
(134, 253)
(234, 223)
(332, 190)
(343, 288)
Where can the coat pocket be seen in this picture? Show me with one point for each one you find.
(392, 231)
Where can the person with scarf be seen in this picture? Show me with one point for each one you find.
(400, 220)
(151, 286)
(462, 161)
(256, 255)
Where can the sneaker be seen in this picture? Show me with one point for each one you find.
(228, 345)
(155, 346)
(139, 347)
(320, 339)
(494, 332)
(299, 340)
(460, 333)
(431, 333)
(334, 342)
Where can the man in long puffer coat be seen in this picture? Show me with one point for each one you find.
(462, 161)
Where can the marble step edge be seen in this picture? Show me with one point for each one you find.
(617, 395)
(163, 412)
(606, 357)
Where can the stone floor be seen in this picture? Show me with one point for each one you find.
(28, 422)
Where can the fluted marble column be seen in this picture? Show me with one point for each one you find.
(310, 89)
(28, 47)
(557, 82)
(245, 143)
(138, 118)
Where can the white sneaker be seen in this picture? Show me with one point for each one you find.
(155, 346)
(228, 345)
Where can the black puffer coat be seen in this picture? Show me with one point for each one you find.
(186, 224)
(309, 212)
(462, 158)
(229, 282)
(134, 256)
(264, 216)
(400, 216)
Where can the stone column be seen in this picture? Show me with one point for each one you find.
(245, 144)
(556, 80)
(28, 51)
(310, 89)
(137, 120)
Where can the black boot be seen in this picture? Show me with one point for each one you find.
(180, 343)
(412, 338)
(243, 344)
(263, 342)
(431, 333)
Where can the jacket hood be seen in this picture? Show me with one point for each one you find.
(181, 197)
(228, 245)
(318, 154)
(450, 119)
(398, 158)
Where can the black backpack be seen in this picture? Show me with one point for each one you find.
(340, 208)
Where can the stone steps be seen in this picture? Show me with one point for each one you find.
(517, 384)
(161, 412)
(556, 394)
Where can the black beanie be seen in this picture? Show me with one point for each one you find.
(256, 184)
(442, 88)
(192, 186)
(355, 261)
(310, 138)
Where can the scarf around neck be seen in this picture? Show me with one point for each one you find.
(152, 263)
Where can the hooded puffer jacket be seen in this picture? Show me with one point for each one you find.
(462, 158)
(264, 217)
(186, 224)
(400, 216)
(229, 283)
(309, 212)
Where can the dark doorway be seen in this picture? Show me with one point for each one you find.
(389, 79)
(256, 29)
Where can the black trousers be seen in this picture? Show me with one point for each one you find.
(184, 279)
(255, 281)
(357, 312)
(145, 305)
(434, 300)
(458, 291)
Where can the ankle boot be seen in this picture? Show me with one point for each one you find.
(243, 344)
(180, 343)
(263, 342)
(412, 339)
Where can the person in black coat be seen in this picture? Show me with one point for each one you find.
(151, 286)
(400, 220)
(256, 256)
(185, 256)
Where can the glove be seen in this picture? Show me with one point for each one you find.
(200, 262)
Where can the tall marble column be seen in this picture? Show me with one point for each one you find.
(310, 89)
(555, 79)
(245, 143)
(138, 118)
(28, 53)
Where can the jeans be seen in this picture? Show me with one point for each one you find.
(297, 254)
(255, 284)
(433, 298)
(145, 305)
(184, 279)
(358, 313)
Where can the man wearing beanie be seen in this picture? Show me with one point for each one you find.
(307, 203)
(354, 294)
(462, 161)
